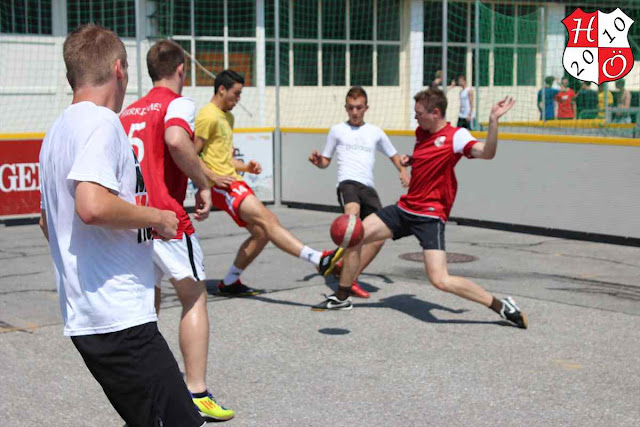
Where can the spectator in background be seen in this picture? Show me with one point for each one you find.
(624, 101)
(467, 113)
(566, 101)
(586, 102)
(546, 99)
(437, 82)
(601, 106)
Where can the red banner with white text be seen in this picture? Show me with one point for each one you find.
(19, 180)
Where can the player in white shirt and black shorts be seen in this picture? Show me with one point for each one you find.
(354, 143)
(99, 227)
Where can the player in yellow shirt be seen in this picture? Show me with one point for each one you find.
(214, 136)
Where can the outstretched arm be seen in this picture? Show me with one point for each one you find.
(253, 166)
(487, 149)
(319, 160)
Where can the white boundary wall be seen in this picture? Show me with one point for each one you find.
(575, 187)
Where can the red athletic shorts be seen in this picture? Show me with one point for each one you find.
(229, 199)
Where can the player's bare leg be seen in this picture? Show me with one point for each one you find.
(251, 248)
(436, 266)
(194, 331)
(231, 285)
(374, 231)
(264, 226)
(369, 252)
(253, 212)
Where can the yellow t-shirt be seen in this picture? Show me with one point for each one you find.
(215, 127)
(601, 103)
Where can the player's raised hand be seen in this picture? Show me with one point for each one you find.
(167, 227)
(203, 204)
(500, 108)
(315, 158)
(254, 167)
(405, 179)
(406, 160)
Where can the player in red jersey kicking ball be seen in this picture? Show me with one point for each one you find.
(160, 126)
(214, 136)
(354, 144)
(423, 211)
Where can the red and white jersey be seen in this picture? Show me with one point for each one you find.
(145, 122)
(433, 181)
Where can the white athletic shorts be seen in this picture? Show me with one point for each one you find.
(178, 259)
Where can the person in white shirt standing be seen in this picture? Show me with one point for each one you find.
(467, 115)
(99, 227)
(355, 143)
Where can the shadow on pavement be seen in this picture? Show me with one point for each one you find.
(405, 303)
(421, 310)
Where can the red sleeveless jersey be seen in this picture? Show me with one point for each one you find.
(145, 122)
(433, 186)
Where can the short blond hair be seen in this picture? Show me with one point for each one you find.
(89, 53)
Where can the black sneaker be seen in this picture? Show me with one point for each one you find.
(333, 303)
(329, 260)
(236, 289)
(512, 313)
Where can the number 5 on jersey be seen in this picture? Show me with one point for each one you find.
(136, 143)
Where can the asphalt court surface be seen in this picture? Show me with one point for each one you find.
(408, 356)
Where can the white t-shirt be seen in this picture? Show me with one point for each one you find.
(104, 276)
(465, 104)
(356, 150)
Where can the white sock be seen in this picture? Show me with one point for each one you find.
(232, 275)
(310, 255)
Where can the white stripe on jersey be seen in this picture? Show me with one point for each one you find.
(460, 140)
(182, 108)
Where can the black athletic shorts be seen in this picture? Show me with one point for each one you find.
(140, 376)
(429, 231)
(464, 123)
(356, 192)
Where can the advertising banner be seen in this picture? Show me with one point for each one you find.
(19, 181)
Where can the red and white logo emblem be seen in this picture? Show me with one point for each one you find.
(598, 49)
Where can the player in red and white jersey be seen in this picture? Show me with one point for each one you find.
(423, 211)
(146, 121)
(433, 185)
(160, 127)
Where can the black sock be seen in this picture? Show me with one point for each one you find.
(343, 293)
(496, 305)
(200, 395)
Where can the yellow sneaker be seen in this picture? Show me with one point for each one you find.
(209, 408)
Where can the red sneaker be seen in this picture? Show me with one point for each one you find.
(357, 291)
